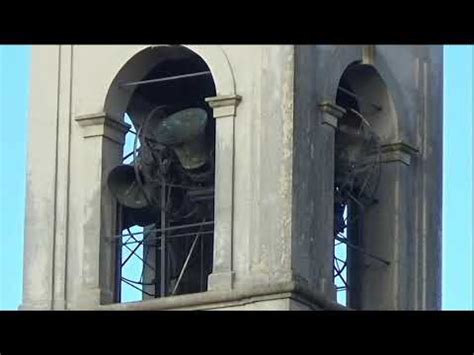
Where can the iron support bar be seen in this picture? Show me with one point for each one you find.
(143, 261)
(118, 236)
(361, 250)
(163, 241)
(350, 93)
(171, 237)
(183, 269)
(169, 78)
(132, 253)
(135, 287)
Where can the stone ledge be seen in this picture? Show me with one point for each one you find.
(224, 105)
(100, 125)
(331, 113)
(395, 152)
(332, 109)
(230, 298)
(400, 147)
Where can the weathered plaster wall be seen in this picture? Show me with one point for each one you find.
(281, 185)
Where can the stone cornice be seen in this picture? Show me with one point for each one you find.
(100, 125)
(229, 298)
(331, 113)
(224, 105)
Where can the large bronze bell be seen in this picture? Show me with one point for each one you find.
(184, 132)
(122, 181)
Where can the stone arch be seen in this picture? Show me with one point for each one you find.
(374, 99)
(397, 97)
(158, 61)
(144, 59)
(344, 57)
(368, 195)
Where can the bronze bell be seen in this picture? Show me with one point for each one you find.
(184, 132)
(122, 181)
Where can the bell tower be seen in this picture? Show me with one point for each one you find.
(225, 177)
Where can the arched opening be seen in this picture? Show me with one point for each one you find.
(165, 186)
(362, 253)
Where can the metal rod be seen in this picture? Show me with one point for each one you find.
(163, 241)
(137, 288)
(353, 198)
(337, 261)
(165, 229)
(201, 281)
(361, 250)
(127, 156)
(337, 275)
(143, 261)
(176, 77)
(183, 269)
(350, 93)
(171, 237)
(145, 257)
(135, 159)
(118, 260)
(131, 234)
(363, 120)
(132, 253)
(136, 282)
(343, 281)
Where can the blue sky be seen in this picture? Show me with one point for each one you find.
(15, 63)
(458, 249)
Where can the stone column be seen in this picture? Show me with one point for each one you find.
(331, 113)
(102, 151)
(225, 108)
(387, 232)
(40, 226)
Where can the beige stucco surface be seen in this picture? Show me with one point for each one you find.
(274, 170)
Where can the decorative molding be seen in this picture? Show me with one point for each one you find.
(215, 299)
(100, 125)
(225, 108)
(102, 147)
(396, 156)
(224, 105)
(401, 147)
(395, 152)
(331, 113)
